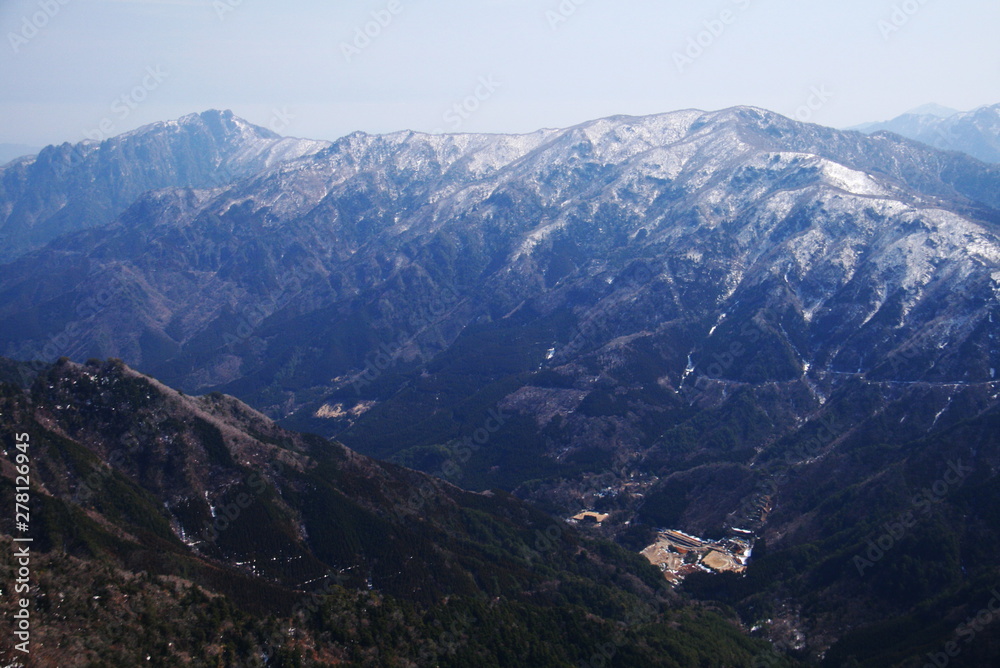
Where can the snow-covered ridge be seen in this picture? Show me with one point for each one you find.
(846, 233)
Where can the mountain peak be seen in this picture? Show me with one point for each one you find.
(932, 109)
(971, 132)
(69, 187)
(697, 321)
(221, 124)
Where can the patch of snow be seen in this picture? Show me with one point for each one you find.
(687, 372)
(716, 325)
(850, 180)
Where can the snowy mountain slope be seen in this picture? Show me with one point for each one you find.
(724, 203)
(975, 132)
(666, 317)
(71, 187)
(10, 152)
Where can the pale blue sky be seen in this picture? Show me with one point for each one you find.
(61, 81)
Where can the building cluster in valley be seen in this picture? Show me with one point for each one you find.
(678, 554)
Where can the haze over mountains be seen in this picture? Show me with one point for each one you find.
(666, 318)
(9, 152)
(171, 529)
(828, 211)
(72, 187)
(975, 132)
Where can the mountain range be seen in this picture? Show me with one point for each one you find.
(678, 320)
(975, 132)
(193, 531)
(9, 152)
(73, 187)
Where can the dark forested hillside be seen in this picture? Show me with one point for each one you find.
(193, 530)
(729, 324)
(70, 187)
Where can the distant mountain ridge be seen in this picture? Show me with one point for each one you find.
(72, 187)
(194, 530)
(9, 152)
(975, 132)
(387, 215)
(933, 109)
(682, 319)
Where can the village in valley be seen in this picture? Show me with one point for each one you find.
(678, 554)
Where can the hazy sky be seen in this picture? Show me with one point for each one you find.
(70, 67)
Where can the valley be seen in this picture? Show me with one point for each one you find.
(709, 355)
